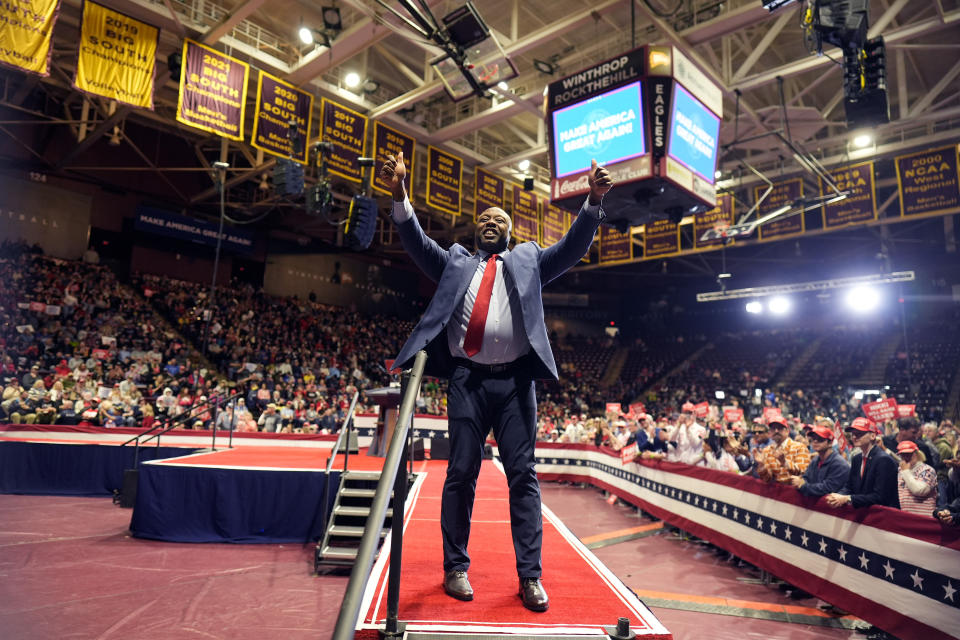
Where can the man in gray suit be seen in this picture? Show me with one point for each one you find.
(484, 330)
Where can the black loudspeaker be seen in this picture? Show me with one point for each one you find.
(439, 449)
(528, 184)
(418, 451)
(128, 495)
(361, 223)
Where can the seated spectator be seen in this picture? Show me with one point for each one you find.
(269, 421)
(785, 459)
(22, 410)
(873, 471)
(917, 481)
(67, 415)
(827, 471)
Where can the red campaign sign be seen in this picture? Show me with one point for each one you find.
(38, 306)
(637, 408)
(881, 410)
(770, 413)
(732, 414)
(100, 354)
(614, 407)
(701, 409)
(906, 410)
(388, 364)
(629, 453)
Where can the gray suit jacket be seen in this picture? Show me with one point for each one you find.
(528, 268)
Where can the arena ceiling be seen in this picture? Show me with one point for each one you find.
(758, 58)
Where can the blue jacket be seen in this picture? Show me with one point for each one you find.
(829, 477)
(528, 268)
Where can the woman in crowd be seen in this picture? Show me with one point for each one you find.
(917, 481)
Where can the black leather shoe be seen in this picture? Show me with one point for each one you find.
(533, 595)
(457, 586)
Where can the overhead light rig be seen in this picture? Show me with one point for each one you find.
(802, 287)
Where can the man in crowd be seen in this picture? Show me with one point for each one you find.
(269, 421)
(908, 429)
(484, 329)
(785, 459)
(873, 471)
(827, 471)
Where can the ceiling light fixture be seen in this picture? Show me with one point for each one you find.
(862, 140)
(523, 165)
(352, 79)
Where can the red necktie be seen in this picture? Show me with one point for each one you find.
(478, 317)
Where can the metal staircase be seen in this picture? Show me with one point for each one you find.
(351, 508)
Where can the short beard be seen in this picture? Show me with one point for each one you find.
(491, 247)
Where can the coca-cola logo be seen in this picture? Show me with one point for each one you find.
(581, 183)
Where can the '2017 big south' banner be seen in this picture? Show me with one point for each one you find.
(25, 29)
(117, 57)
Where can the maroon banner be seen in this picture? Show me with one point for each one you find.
(783, 194)
(556, 221)
(488, 192)
(661, 238)
(861, 203)
(928, 181)
(526, 215)
(390, 142)
(615, 246)
(720, 216)
(347, 130)
(279, 103)
(444, 181)
(213, 91)
(881, 410)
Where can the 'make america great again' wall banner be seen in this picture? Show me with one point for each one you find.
(25, 29)
(278, 103)
(487, 192)
(213, 91)
(444, 181)
(861, 203)
(783, 194)
(390, 142)
(347, 130)
(928, 181)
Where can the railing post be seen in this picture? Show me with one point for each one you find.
(396, 529)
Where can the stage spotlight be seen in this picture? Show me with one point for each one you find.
(779, 305)
(862, 140)
(862, 299)
(754, 307)
(523, 165)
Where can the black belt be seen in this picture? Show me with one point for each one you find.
(492, 368)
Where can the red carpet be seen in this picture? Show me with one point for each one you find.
(584, 595)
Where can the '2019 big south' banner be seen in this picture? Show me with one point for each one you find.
(117, 57)
(25, 29)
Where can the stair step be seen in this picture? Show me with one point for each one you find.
(339, 553)
(357, 511)
(351, 532)
(362, 475)
(357, 493)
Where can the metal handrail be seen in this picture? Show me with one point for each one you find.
(343, 437)
(350, 607)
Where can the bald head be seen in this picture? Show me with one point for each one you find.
(492, 233)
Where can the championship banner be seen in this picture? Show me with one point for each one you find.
(25, 29)
(718, 217)
(526, 218)
(881, 410)
(117, 56)
(488, 191)
(860, 205)
(279, 103)
(555, 223)
(390, 142)
(615, 247)
(347, 130)
(661, 238)
(783, 194)
(928, 181)
(213, 91)
(444, 181)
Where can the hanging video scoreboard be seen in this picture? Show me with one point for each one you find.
(652, 118)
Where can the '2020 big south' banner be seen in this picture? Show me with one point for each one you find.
(117, 57)
(284, 114)
(25, 29)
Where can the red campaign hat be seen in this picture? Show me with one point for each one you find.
(822, 432)
(778, 420)
(907, 446)
(688, 407)
(863, 424)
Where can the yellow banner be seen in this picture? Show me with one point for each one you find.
(25, 28)
(117, 56)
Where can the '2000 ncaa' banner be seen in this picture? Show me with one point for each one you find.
(117, 56)
(213, 91)
(347, 130)
(928, 181)
(783, 194)
(387, 141)
(278, 104)
(526, 218)
(487, 192)
(444, 181)
(860, 205)
(25, 29)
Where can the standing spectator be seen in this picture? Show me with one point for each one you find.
(908, 430)
(917, 481)
(785, 459)
(873, 471)
(269, 420)
(828, 471)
